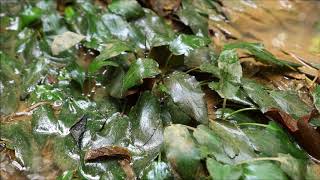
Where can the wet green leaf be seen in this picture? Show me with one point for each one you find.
(199, 57)
(67, 175)
(223, 172)
(29, 15)
(20, 138)
(236, 144)
(153, 31)
(258, 50)
(263, 170)
(181, 151)
(176, 115)
(77, 73)
(140, 69)
(10, 68)
(129, 9)
(69, 13)
(277, 139)
(52, 23)
(210, 68)
(147, 129)
(259, 94)
(287, 101)
(10, 83)
(111, 49)
(291, 103)
(116, 131)
(228, 62)
(187, 94)
(211, 144)
(65, 153)
(44, 122)
(185, 44)
(50, 82)
(46, 93)
(230, 73)
(190, 17)
(116, 83)
(157, 171)
(96, 65)
(92, 26)
(117, 26)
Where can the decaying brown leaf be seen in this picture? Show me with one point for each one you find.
(24, 114)
(164, 7)
(308, 137)
(212, 101)
(113, 152)
(283, 118)
(125, 164)
(106, 152)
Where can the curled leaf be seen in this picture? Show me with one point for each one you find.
(283, 118)
(78, 129)
(140, 69)
(106, 152)
(65, 41)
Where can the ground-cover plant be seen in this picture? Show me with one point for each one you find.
(96, 90)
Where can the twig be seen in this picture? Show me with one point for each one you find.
(25, 112)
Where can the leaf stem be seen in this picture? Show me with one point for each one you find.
(189, 127)
(262, 159)
(238, 111)
(253, 124)
(204, 82)
(192, 69)
(167, 61)
(224, 104)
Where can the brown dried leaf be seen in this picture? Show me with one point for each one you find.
(283, 118)
(24, 114)
(212, 101)
(308, 137)
(125, 164)
(164, 7)
(116, 152)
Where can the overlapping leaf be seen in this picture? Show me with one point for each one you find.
(230, 73)
(186, 93)
(140, 69)
(261, 53)
(127, 8)
(185, 44)
(182, 153)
